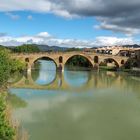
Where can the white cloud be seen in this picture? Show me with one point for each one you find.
(115, 28)
(45, 38)
(12, 16)
(44, 35)
(30, 17)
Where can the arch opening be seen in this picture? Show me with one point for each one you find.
(109, 64)
(96, 59)
(27, 60)
(60, 59)
(78, 62)
(122, 62)
(44, 71)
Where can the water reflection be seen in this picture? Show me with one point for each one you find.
(44, 72)
(107, 113)
(81, 80)
(15, 77)
(77, 78)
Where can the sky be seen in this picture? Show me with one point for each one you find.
(69, 23)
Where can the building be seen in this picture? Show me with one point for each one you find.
(117, 50)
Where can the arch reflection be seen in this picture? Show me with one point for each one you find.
(16, 77)
(76, 78)
(44, 72)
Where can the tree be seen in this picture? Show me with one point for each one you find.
(26, 48)
(8, 66)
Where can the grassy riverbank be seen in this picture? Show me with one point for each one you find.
(7, 131)
(8, 128)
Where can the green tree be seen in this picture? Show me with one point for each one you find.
(26, 48)
(8, 66)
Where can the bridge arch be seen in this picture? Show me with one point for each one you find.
(44, 58)
(88, 59)
(111, 60)
(49, 73)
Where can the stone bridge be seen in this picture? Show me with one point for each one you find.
(61, 58)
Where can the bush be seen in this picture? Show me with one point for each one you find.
(6, 131)
(8, 66)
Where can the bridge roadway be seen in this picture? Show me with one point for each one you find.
(95, 81)
(60, 58)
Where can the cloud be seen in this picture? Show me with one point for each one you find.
(30, 17)
(115, 28)
(3, 34)
(12, 16)
(44, 38)
(115, 15)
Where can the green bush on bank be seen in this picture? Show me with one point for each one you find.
(6, 131)
(8, 66)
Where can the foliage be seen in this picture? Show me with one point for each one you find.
(26, 48)
(79, 61)
(131, 63)
(6, 131)
(8, 66)
(73, 49)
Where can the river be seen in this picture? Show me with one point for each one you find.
(77, 105)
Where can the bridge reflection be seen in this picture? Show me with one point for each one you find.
(71, 80)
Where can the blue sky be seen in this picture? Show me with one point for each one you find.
(77, 28)
(75, 23)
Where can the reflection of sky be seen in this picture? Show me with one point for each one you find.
(47, 72)
(59, 115)
(76, 78)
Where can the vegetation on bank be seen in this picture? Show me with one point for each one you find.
(7, 132)
(7, 67)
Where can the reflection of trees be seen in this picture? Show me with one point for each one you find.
(14, 78)
(107, 78)
(16, 101)
(132, 82)
(35, 71)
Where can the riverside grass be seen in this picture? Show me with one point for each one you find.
(7, 132)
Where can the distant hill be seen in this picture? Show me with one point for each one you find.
(130, 46)
(42, 47)
(51, 48)
(58, 48)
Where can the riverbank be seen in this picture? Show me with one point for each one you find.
(7, 130)
(10, 128)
